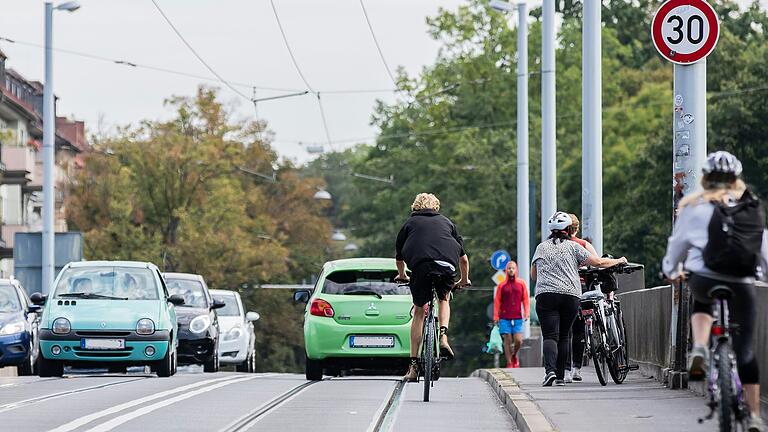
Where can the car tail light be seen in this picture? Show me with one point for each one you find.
(586, 312)
(320, 307)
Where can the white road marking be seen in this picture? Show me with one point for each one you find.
(117, 408)
(117, 421)
(14, 405)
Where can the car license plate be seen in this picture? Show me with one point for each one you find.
(102, 344)
(371, 341)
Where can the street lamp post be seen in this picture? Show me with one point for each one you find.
(49, 148)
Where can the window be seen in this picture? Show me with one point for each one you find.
(192, 291)
(9, 299)
(381, 282)
(231, 308)
(120, 283)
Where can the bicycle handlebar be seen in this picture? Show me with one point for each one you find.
(618, 268)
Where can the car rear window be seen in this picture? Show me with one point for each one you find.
(230, 305)
(128, 283)
(381, 282)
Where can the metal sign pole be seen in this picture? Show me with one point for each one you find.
(592, 125)
(548, 121)
(523, 251)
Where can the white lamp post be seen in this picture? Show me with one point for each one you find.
(49, 147)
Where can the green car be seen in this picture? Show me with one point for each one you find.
(356, 317)
(111, 314)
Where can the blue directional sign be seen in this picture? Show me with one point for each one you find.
(500, 259)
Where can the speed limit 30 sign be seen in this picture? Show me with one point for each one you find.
(685, 31)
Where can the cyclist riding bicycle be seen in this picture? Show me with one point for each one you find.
(723, 189)
(432, 248)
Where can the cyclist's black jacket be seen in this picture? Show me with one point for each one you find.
(428, 236)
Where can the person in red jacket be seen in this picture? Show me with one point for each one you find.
(511, 305)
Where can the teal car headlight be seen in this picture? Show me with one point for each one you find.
(12, 328)
(200, 324)
(145, 326)
(233, 334)
(61, 326)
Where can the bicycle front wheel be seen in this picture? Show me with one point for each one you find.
(428, 355)
(598, 355)
(617, 362)
(726, 399)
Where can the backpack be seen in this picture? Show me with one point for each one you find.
(735, 237)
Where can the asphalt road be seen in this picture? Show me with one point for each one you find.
(229, 402)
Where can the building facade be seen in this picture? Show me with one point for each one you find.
(21, 163)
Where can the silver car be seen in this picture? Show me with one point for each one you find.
(237, 344)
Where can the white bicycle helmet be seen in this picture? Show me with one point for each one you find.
(722, 162)
(559, 221)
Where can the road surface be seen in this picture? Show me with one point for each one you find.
(228, 402)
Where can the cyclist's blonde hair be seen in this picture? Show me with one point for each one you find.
(715, 192)
(425, 201)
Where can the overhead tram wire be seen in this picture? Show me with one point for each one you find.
(200, 58)
(301, 75)
(378, 46)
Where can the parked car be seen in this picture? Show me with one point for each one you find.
(112, 314)
(356, 317)
(197, 320)
(238, 341)
(19, 320)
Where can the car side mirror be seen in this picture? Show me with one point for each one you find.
(176, 300)
(33, 308)
(301, 296)
(218, 304)
(252, 316)
(38, 298)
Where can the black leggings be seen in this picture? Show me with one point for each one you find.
(741, 311)
(556, 314)
(577, 344)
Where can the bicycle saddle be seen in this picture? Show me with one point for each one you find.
(720, 292)
(592, 296)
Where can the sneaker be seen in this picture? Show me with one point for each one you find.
(445, 350)
(549, 379)
(413, 373)
(568, 378)
(576, 375)
(515, 361)
(559, 382)
(754, 424)
(698, 360)
(510, 365)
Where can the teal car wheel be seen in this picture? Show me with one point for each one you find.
(49, 368)
(167, 366)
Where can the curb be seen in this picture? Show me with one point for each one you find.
(520, 406)
(8, 371)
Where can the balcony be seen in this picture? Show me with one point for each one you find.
(19, 165)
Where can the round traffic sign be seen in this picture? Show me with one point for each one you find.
(500, 259)
(685, 31)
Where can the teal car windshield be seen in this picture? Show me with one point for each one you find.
(9, 299)
(191, 290)
(109, 283)
(364, 282)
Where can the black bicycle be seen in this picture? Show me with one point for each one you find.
(605, 336)
(726, 395)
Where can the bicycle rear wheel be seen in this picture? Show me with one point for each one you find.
(726, 400)
(597, 354)
(617, 362)
(428, 354)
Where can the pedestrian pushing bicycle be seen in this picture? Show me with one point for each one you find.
(720, 235)
(430, 245)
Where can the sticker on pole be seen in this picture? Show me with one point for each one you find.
(685, 31)
(500, 259)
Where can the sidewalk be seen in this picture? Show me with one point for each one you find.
(639, 404)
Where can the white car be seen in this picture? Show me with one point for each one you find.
(237, 344)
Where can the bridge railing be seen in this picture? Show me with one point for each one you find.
(648, 319)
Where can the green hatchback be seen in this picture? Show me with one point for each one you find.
(111, 314)
(356, 317)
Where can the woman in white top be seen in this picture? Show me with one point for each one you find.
(555, 269)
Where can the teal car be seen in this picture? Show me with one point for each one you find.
(356, 317)
(111, 314)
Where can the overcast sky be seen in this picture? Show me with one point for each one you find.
(240, 39)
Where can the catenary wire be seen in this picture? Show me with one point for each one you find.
(378, 46)
(195, 53)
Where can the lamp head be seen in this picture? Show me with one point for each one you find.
(501, 6)
(69, 6)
